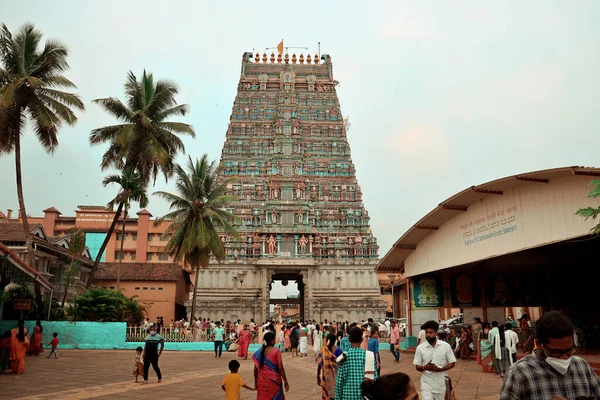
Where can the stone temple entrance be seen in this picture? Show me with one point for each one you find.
(289, 304)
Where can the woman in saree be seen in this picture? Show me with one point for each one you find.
(477, 327)
(245, 337)
(35, 346)
(327, 367)
(317, 339)
(294, 339)
(286, 334)
(485, 357)
(464, 352)
(19, 342)
(526, 333)
(268, 371)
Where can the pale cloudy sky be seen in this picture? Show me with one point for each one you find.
(441, 95)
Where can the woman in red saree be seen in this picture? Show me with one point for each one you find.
(244, 342)
(268, 371)
(19, 342)
(35, 347)
(287, 344)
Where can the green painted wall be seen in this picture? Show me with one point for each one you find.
(101, 336)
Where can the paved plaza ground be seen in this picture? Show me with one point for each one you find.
(87, 374)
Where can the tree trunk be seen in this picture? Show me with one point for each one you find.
(103, 247)
(197, 272)
(28, 243)
(68, 283)
(121, 255)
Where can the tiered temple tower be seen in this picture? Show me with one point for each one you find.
(286, 159)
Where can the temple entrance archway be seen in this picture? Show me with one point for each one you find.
(286, 296)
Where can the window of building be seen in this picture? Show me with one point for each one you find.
(134, 236)
(163, 256)
(149, 257)
(137, 288)
(132, 256)
(145, 288)
(152, 288)
(160, 288)
(120, 236)
(150, 237)
(112, 287)
(93, 241)
(119, 255)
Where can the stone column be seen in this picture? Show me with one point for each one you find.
(310, 242)
(296, 253)
(278, 245)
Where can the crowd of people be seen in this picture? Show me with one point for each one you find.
(18, 343)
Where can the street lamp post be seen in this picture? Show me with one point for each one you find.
(241, 276)
(392, 279)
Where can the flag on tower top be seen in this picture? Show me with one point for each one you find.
(280, 47)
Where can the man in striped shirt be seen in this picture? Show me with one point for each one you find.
(152, 353)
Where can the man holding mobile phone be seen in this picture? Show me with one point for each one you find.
(433, 358)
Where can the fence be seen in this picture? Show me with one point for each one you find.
(173, 335)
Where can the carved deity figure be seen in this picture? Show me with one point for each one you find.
(272, 243)
(300, 214)
(302, 244)
(296, 171)
(298, 192)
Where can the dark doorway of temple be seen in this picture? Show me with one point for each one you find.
(286, 297)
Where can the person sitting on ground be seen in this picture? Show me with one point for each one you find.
(554, 371)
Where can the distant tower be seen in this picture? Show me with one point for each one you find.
(286, 159)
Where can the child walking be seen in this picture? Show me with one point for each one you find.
(138, 368)
(233, 382)
(54, 344)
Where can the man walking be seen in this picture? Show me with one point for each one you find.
(152, 353)
(433, 358)
(554, 372)
(218, 334)
(352, 370)
(395, 341)
(512, 339)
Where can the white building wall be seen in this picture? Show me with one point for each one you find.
(528, 216)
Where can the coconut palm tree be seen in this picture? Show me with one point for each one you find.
(144, 140)
(198, 213)
(132, 189)
(31, 77)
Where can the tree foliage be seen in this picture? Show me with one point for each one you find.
(104, 305)
(591, 212)
(144, 140)
(197, 211)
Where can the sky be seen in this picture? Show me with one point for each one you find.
(440, 95)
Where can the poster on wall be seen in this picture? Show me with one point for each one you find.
(464, 290)
(499, 290)
(427, 292)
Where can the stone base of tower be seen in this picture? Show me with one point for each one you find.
(338, 290)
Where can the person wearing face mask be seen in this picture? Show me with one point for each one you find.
(152, 353)
(433, 358)
(554, 372)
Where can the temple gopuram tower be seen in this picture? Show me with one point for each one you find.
(286, 160)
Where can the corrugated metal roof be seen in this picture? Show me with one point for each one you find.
(446, 210)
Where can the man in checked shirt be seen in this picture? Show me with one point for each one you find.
(554, 372)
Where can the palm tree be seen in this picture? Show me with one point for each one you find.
(144, 140)
(132, 189)
(198, 211)
(30, 79)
